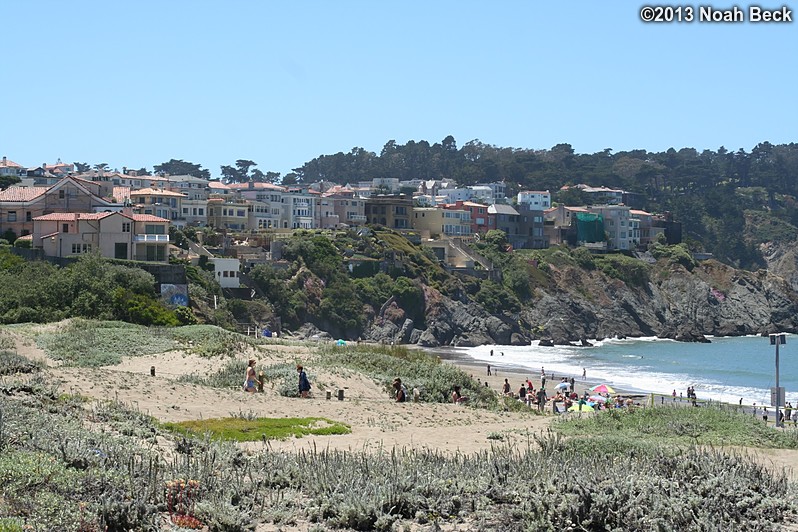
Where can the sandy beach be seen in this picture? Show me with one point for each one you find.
(376, 421)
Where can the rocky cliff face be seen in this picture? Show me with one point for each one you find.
(712, 299)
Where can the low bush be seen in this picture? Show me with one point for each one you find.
(416, 368)
(68, 468)
(11, 363)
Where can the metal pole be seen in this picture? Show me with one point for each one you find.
(778, 395)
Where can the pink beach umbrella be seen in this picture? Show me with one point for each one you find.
(602, 388)
(597, 399)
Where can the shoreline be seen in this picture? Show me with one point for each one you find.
(477, 369)
(518, 374)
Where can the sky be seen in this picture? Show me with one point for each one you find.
(138, 83)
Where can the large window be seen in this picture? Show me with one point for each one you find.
(125, 227)
(12, 216)
(81, 248)
(154, 229)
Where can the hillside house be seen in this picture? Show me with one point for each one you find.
(115, 235)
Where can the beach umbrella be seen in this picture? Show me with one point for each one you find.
(340, 342)
(602, 388)
(597, 399)
(585, 408)
(562, 386)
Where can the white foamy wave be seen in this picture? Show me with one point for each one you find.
(629, 372)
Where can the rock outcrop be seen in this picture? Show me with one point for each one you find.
(712, 299)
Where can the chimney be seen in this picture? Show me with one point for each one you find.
(4, 159)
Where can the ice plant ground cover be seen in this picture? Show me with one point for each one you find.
(69, 463)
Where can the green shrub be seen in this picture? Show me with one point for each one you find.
(13, 363)
(631, 271)
(95, 343)
(676, 254)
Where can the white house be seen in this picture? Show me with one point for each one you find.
(226, 271)
(535, 199)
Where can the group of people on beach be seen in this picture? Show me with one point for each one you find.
(254, 384)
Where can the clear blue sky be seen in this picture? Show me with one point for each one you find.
(138, 83)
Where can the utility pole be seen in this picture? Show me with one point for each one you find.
(778, 339)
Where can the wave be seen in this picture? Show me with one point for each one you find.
(651, 368)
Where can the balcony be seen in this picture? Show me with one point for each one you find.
(152, 239)
(356, 217)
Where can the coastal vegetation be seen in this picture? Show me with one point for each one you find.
(717, 425)
(90, 343)
(244, 428)
(72, 466)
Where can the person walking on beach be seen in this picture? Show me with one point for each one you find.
(674, 395)
(506, 388)
(250, 380)
(584, 374)
(489, 365)
(304, 383)
(541, 396)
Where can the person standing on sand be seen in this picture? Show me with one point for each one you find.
(584, 374)
(506, 388)
(541, 396)
(304, 383)
(489, 367)
(250, 380)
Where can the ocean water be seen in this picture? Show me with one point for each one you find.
(726, 369)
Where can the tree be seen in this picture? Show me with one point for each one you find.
(290, 179)
(8, 180)
(101, 166)
(243, 166)
(181, 167)
(82, 167)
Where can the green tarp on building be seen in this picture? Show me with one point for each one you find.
(589, 227)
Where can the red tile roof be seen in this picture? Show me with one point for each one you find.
(22, 193)
(121, 193)
(8, 163)
(155, 192)
(71, 216)
(148, 218)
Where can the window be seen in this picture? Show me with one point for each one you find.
(125, 227)
(12, 216)
(61, 194)
(28, 216)
(81, 248)
(154, 229)
(64, 228)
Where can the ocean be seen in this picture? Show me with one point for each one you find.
(726, 369)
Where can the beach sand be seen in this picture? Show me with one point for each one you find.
(377, 422)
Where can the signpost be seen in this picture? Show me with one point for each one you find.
(777, 393)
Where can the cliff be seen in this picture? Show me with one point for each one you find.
(576, 304)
